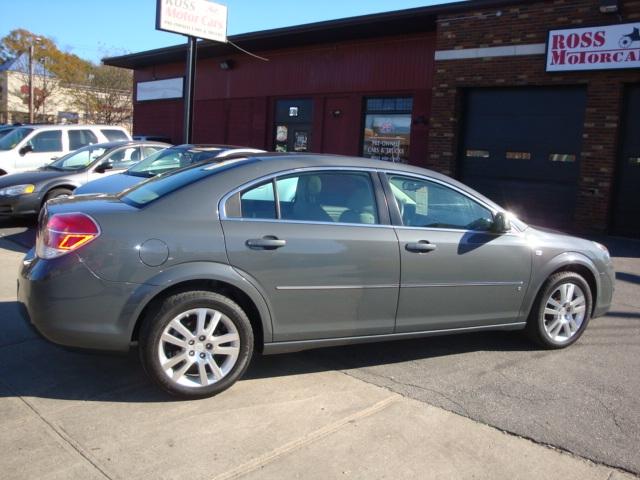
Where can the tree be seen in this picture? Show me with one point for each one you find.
(107, 97)
(67, 67)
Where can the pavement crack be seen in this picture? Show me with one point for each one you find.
(262, 460)
(410, 385)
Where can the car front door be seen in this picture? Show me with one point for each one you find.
(320, 249)
(45, 146)
(456, 272)
(117, 161)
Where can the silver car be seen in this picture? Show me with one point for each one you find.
(279, 253)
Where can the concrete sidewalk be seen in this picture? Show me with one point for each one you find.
(68, 415)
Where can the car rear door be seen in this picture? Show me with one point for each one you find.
(320, 249)
(456, 273)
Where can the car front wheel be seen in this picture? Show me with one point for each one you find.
(197, 345)
(561, 311)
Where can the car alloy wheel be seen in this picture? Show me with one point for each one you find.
(564, 312)
(199, 347)
(196, 344)
(561, 311)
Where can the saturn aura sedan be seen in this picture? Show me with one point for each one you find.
(280, 253)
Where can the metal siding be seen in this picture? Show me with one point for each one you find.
(389, 66)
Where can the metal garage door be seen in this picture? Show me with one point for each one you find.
(626, 214)
(521, 148)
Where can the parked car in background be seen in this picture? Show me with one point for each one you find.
(162, 162)
(24, 193)
(289, 252)
(31, 146)
(152, 138)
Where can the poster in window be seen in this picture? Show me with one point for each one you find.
(282, 134)
(386, 137)
(301, 143)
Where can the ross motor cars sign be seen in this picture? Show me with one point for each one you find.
(196, 18)
(594, 48)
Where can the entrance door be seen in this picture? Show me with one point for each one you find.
(626, 215)
(293, 121)
(521, 148)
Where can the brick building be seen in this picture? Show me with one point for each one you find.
(465, 88)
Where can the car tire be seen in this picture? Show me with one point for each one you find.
(561, 311)
(57, 193)
(186, 355)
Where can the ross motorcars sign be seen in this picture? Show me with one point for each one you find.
(196, 18)
(594, 48)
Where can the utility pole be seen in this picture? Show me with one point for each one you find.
(31, 83)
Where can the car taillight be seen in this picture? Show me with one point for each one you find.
(65, 232)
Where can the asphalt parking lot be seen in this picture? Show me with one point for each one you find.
(584, 400)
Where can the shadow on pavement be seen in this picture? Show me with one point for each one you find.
(628, 277)
(32, 367)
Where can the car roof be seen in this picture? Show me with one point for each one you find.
(214, 146)
(67, 126)
(122, 143)
(270, 163)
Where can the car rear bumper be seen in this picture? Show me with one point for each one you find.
(69, 305)
(20, 205)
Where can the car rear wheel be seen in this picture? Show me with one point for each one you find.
(561, 312)
(197, 345)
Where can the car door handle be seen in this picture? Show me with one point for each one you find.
(266, 243)
(421, 246)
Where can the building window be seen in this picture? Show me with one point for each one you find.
(387, 128)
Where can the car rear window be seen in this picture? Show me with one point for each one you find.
(114, 135)
(161, 185)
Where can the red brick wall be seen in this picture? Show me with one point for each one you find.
(528, 23)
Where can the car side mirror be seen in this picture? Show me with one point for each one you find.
(26, 149)
(501, 223)
(103, 167)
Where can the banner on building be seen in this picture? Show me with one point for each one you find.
(594, 48)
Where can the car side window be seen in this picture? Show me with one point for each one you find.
(114, 135)
(146, 151)
(81, 138)
(324, 196)
(125, 157)
(431, 205)
(259, 202)
(50, 141)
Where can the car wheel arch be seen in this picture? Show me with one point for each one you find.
(50, 188)
(238, 289)
(569, 262)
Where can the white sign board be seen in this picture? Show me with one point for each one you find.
(197, 18)
(160, 89)
(594, 48)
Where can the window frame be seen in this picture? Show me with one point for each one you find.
(366, 111)
(230, 203)
(397, 218)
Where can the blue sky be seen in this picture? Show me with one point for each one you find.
(92, 29)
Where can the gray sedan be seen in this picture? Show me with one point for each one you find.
(280, 253)
(24, 193)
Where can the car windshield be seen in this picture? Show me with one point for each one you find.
(13, 138)
(79, 159)
(169, 159)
